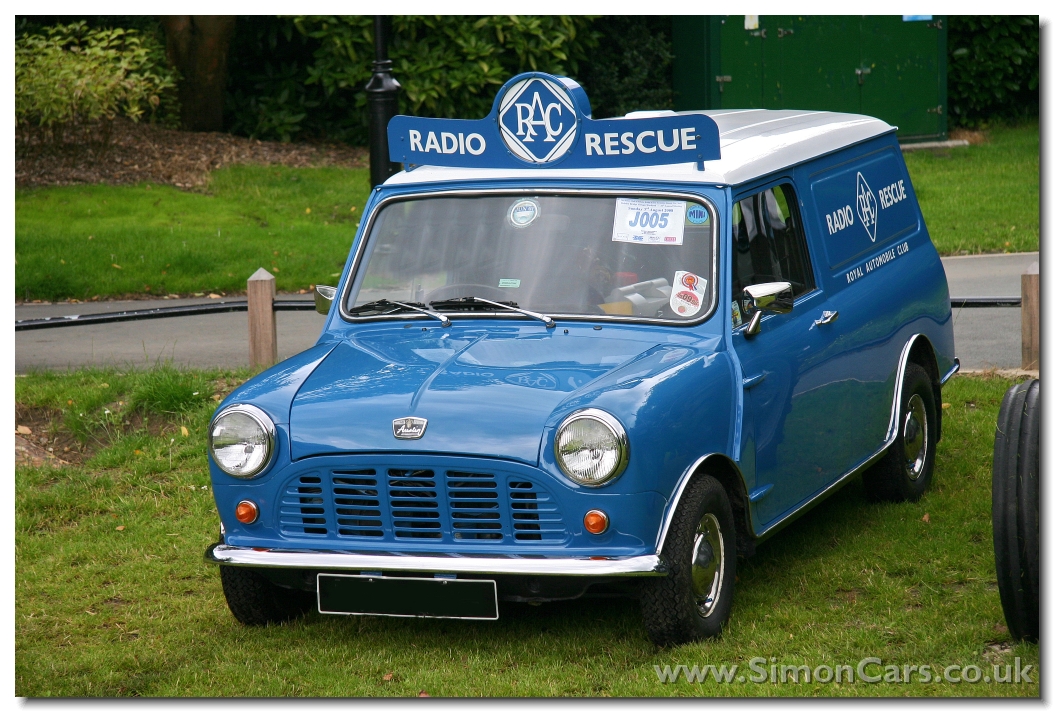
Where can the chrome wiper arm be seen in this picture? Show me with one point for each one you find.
(402, 305)
(434, 314)
(547, 320)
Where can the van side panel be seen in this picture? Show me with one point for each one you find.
(879, 269)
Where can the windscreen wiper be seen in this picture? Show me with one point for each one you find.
(388, 306)
(511, 306)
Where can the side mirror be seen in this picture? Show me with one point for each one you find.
(324, 298)
(770, 297)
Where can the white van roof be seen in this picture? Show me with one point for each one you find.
(754, 143)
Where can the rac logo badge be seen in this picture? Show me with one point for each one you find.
(537, 120)
(866, 206)
(409, 428)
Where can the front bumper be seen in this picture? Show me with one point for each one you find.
(220, 553)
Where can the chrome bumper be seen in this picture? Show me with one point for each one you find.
(451, 564)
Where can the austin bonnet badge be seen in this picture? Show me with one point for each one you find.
(409, 428)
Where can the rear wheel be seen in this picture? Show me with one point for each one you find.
(254, 600)
(906, 470)
(694, 599)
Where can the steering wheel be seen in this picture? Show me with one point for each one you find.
(452, 291)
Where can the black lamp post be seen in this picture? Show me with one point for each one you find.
(382, 92)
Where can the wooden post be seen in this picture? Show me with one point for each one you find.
(1030, 318)
(263, 336)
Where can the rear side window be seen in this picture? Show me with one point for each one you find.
(768, 244)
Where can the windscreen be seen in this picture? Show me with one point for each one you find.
(571, 255)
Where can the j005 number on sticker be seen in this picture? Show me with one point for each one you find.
(649, 222)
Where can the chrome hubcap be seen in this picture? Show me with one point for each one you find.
(916, 437)
(707, 563)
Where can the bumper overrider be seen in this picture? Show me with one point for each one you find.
(355, 562)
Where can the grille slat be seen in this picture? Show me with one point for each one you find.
(474, 510)
(357, 504)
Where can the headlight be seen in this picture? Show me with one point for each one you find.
(591, 447)
(241, 440)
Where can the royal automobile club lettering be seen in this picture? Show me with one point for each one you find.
(540, 120)
(409, 428)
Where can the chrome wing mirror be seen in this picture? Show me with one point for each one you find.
(324, 298)
(771, 298)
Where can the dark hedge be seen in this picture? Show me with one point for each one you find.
(993, 68)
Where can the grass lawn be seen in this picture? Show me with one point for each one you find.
(982, 198)
(113, 598)
(82, 241)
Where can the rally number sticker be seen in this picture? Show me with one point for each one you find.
(686, 299)
(649, 222)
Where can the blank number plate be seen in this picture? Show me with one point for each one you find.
(371, 595)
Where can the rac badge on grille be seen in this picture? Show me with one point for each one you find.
(409, 428)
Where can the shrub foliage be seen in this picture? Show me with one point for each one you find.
(73, 79)
(993, 68)
(315, 68)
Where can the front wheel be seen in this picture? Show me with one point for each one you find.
(254, 600)
(906, 470)
(694, 599)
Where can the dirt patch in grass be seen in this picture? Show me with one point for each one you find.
(43, 439)
(141, 153)
(974, 137)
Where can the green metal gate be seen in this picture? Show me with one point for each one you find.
(889, 66)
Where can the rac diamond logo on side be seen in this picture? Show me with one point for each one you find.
(866, 206)
(409, 428)
(537, 120)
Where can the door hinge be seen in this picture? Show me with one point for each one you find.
(780, 32)
(721, 80)
(860, 72)
(760, 33)
(939, 109)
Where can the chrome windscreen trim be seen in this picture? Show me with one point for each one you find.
(429, 191)
(361, 561)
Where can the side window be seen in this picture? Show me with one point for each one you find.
(768, 244)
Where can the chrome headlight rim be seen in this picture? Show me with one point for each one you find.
(266, 424)
(621, 440)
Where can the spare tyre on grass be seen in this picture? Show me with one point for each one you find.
(1015, 508)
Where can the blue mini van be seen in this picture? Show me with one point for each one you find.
(571, 356)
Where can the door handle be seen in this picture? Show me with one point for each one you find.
(826, 318)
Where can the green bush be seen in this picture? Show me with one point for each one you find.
(993, 68)
(449, 66)
(632, 67)
(73, 79)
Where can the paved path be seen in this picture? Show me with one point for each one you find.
(984, 338)
(989, 337)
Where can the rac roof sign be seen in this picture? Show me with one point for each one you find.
(541, 120)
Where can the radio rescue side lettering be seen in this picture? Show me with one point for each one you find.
(541, 120)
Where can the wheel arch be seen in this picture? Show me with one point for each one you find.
(920, 351)
(723, 469)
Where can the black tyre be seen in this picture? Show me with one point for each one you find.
(1015, 509)
(256, 601)
(694, 599)
(906, 470)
